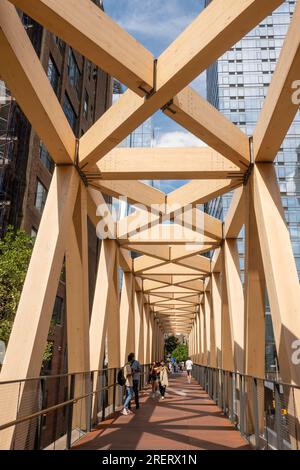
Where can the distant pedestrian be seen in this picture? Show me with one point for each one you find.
(153, 378)
(128, 385)
(189, 368)
(136, 374)
(163, 379)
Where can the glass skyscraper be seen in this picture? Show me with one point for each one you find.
(237, 85)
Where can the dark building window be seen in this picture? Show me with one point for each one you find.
(70, 113)
(53, 75)
(86, 105)
(57, 311)
(40, 196)
(60, 44)
(46, 159)
(74, 73)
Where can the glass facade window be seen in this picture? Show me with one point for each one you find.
(40, 196)
(256, 55)
(53, 75)
(70, 113)
(74, 73)
(46, 158)
(86, 105)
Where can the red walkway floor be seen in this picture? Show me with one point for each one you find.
(186, 420)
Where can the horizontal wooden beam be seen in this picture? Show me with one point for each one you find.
(86, 28)
(203, 120)
(280, 108)
(169, 234)
(163, 164)
(24, 75)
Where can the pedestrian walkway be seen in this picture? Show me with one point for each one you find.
(186, 420)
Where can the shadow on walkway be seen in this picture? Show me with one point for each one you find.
(186, 420)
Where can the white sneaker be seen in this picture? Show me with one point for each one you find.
(162, 398)
(124, 412)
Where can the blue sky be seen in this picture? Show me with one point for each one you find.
(156, 23)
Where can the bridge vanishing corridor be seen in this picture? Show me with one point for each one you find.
(187, 420)
(168, 267)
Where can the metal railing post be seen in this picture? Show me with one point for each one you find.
(70, 412)
(114, 390)
(255, 412)
(278, 417)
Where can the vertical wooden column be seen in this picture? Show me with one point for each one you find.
(104, 312)
(78, 319)
(102, 305)
(279, 268)
(31, 325)
(255, 305)
(281, 279)
(150, 343)
(227, 353)
(203, 335)
(235, 298)
(217, 313)
(77, 288)
(127, 317)
(207, 314)
(139, 326)
(113, 317)
(146, 312)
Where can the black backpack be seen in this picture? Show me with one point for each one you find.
(121, 378)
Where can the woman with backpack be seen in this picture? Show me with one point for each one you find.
(127, 371)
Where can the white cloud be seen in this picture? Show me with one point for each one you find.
(161, 20)
(179, 139)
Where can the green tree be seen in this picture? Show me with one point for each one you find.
(181, 353)
(170, 344)
(15, 252)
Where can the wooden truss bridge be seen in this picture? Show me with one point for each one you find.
(174, 287)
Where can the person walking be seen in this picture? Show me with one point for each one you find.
(128, 385)
(189, 368)
(163, 379)
(153, 378)
(136, 374)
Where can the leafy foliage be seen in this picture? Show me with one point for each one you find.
(170, 344)
(181, 353)
(15, 252)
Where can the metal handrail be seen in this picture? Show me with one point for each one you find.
(265, 379)
(71, 401)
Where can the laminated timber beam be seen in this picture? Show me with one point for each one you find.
(220, 25)
(279, 108)
(235, 218)
(169, 234)
(165, 163)
(86, 28)
(134, 191)
(199, 192)
(203, 120)
(216, 29)
(23, 73)
(193, 218)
